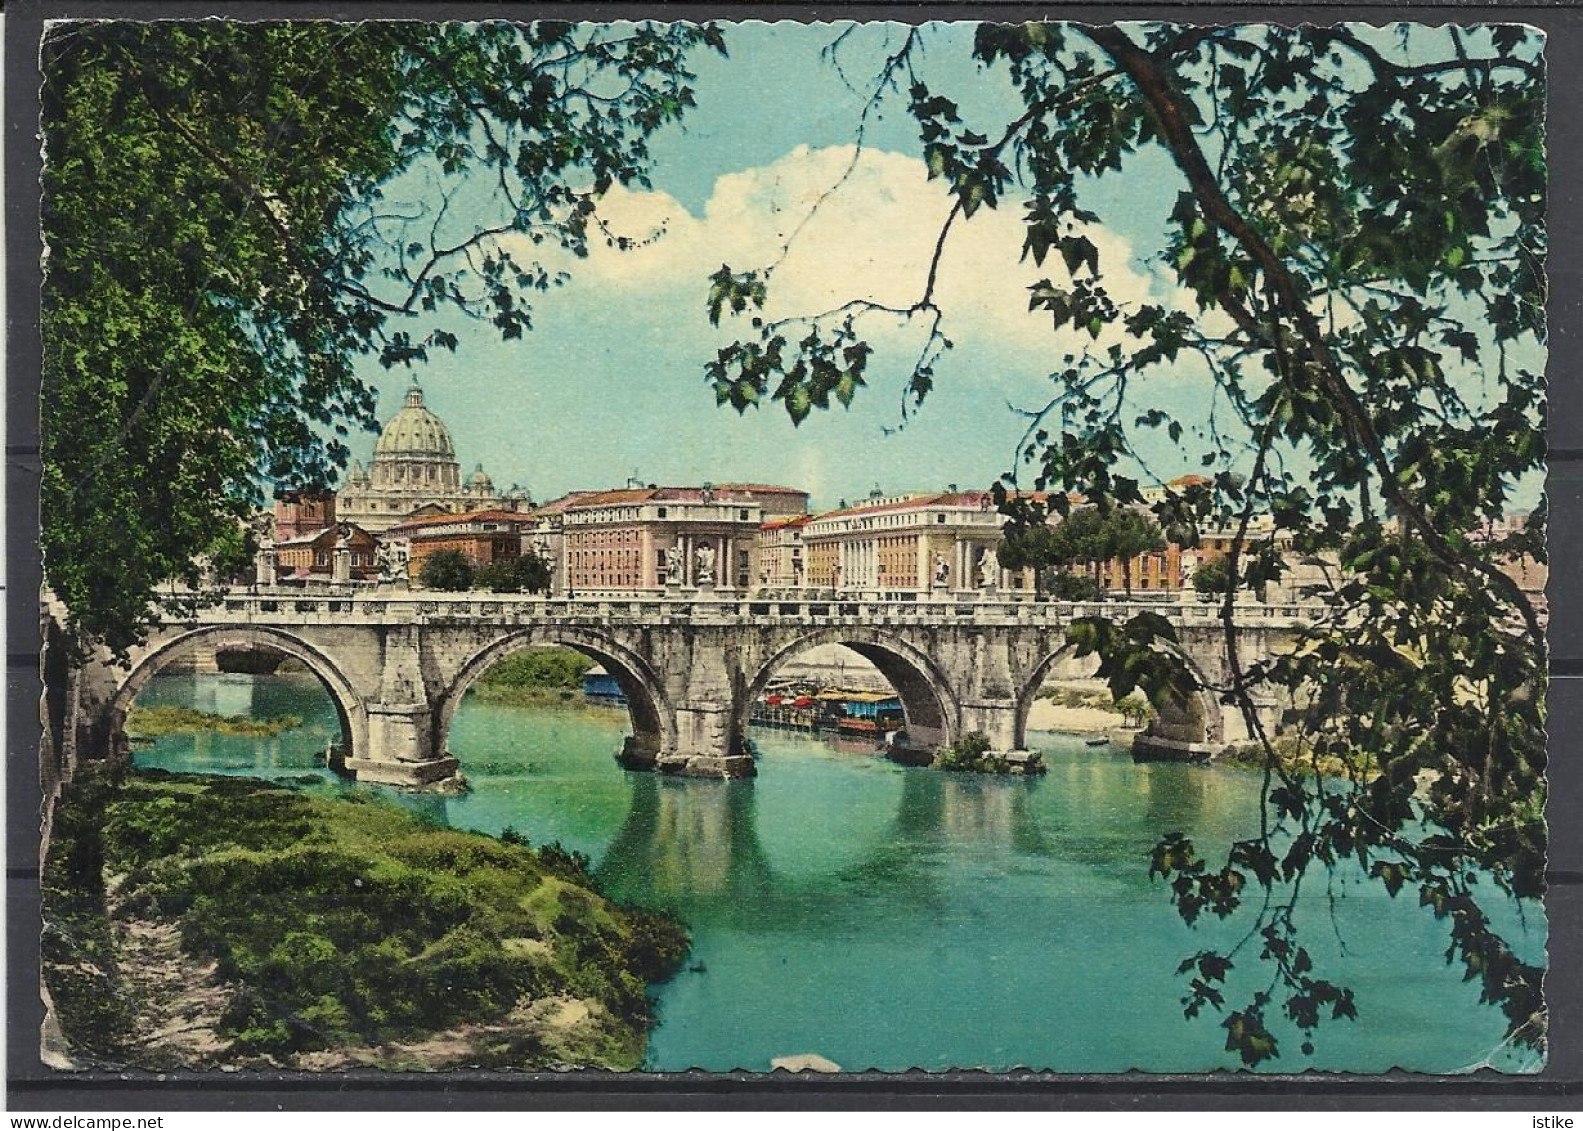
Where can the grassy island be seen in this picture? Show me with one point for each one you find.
(203, 921)
(972, 755)
(151, 722)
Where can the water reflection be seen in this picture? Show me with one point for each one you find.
(938, 810)
(683, 841)
(696, 847)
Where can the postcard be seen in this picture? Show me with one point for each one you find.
(773, 546)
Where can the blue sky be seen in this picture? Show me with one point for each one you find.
(610, 382)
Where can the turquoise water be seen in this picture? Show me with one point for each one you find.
(887, 917)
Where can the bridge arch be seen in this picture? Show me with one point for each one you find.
(932, 710)
(653, 718)
(253, 638)
(1197, 720)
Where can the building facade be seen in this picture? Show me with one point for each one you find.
(414, 471)
(303, 512)
(907, 544)
(546, 537)
(484, 537)
(781, 564)
(659, 539)
(1158, 572)
(342, 553)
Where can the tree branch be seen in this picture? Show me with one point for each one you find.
(1174, 129)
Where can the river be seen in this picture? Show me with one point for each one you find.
(891, 918)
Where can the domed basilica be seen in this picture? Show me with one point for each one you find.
(415, 473)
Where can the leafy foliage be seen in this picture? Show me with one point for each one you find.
(525, 574)
(449, 571)
(970, 754)
(540, 667)
(1212, 577)
(1135, 709)
(1067, 586)
(1033, 538)
(1360, 236)
(227, 239)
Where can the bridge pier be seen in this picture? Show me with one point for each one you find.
(399, 748)
(1234, 727)
(707, 745)
(995, 719)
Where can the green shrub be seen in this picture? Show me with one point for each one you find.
(971, 754)
(447, 570)
(1135, 710)
(656, 945)
(540, 667)
(1066, 586)
(525, 574)
(566, 863)
(1212, 577)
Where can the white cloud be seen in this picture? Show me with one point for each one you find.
(858, 229)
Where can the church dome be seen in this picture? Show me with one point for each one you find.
(414, 432)
(481, 480)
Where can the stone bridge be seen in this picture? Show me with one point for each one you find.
(397, 665)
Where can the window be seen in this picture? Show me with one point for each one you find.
(742, 514)
(661, 512)
(940, 518)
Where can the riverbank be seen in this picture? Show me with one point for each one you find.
(195, 921)
(1045, 715)
(161, 719)
(544, 698)
(1293, 758)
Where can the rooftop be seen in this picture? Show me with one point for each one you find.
(781, 520)
(717, 493)
(417, 524)
(981, 500)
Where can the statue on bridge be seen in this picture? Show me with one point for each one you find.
(988, 568)
(704, 563)
(392, 568)
(673, 565)
(942, 572)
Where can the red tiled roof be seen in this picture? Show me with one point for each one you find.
(333, 531)
(760, 488)
(724, 492)
(785, 520)
(469, 516)
(917, 502)
(556, 506)
(613, 496)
